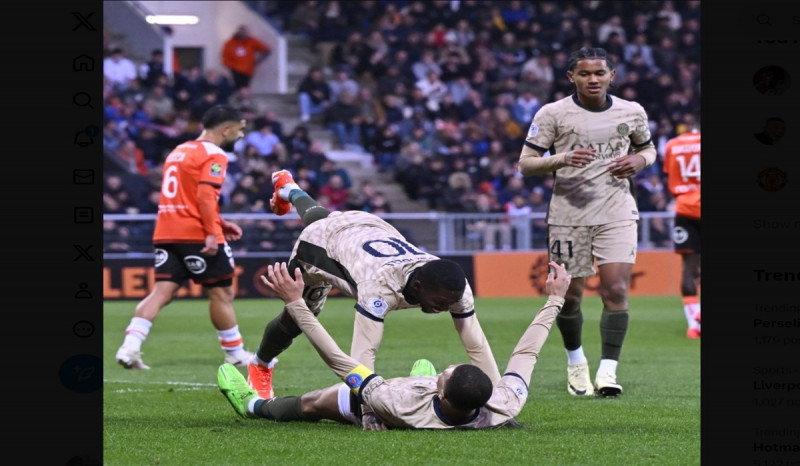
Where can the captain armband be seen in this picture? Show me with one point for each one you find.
(357, 378)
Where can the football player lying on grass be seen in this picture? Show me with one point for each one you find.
(462, 396)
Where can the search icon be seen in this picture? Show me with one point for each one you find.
(764, 19)
(82, 99)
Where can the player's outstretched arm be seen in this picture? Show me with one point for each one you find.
(526, 353)
(290, 290)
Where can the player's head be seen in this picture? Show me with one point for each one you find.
(438, 285)
(591, 70)
(465, 387)
(226, 123)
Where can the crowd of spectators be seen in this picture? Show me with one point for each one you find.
(440, 93)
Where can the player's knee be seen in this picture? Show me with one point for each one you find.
(614, 292)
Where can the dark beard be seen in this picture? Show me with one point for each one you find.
(227, 146)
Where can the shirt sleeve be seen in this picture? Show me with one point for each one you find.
(473, 338)
(526, 353)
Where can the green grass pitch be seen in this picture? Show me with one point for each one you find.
(174, 414)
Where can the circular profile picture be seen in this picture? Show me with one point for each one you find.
(771, 80)
(772, 179)
(772, 130)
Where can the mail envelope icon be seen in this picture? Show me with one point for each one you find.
(83, 176)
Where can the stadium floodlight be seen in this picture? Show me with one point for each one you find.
(173, 20)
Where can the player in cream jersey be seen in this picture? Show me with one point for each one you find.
(597, 142)
(462, 396)
(590, 195)
(364, 257)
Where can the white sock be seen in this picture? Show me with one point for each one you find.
(576, 356)
(231, 340)
(689, 311)
(607, 365)
(136, 333)
(284, 191)
(257, 361)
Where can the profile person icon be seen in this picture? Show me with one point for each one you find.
(773, 130)
(771, 80)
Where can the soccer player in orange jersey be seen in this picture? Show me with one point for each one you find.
(682, 166)
(190, 238)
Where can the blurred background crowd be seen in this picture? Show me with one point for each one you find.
(440, 94)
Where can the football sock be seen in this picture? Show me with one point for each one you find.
(691, 306)
(281, 408)
(570, 327)
(277, 337)
(607, 365)
(307, 208)
(230, 340)
(613, 327)
(576, 356)
(136, 333)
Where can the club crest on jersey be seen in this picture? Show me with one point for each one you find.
(623, 129)
(377, 306)
(533, 130)
(216, 169)
(160, 257)
(195, 264)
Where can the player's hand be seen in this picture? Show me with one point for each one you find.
(369, 421)
(211, 246)
(279, 280)
(557, 280)
(231, 231)
(627, 165)
(579, 158)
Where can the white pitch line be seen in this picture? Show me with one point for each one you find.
(166, 382)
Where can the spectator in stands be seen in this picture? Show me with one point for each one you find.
(327, 169)
(151, 71)
(119, 70)
(343, 118)
(314, 94)
(335, 191)
(132, 157)
(426, 64)
(241, 54)
(386, 147)
(490, 231)
(161, 105)
(242, 99)
(342, 82)
(264, 140)
(304, 19)
(219, 83)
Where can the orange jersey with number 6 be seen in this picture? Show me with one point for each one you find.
(682, 166)
(187, 166)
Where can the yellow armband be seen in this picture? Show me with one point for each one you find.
(356, 377)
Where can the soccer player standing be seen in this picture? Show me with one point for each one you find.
(596, 143)
(190, 238)
(682, 166)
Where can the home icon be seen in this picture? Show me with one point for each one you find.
(83, 63)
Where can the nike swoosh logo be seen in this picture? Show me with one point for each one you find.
(577, 392)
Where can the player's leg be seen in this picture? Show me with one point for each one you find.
(288, 193)
(686, 240)
(170, 273)
(216, 276)
(279, 334)
(223, 317)
(571, 247)
(615, 250)
(129, 354)
(690, 274)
